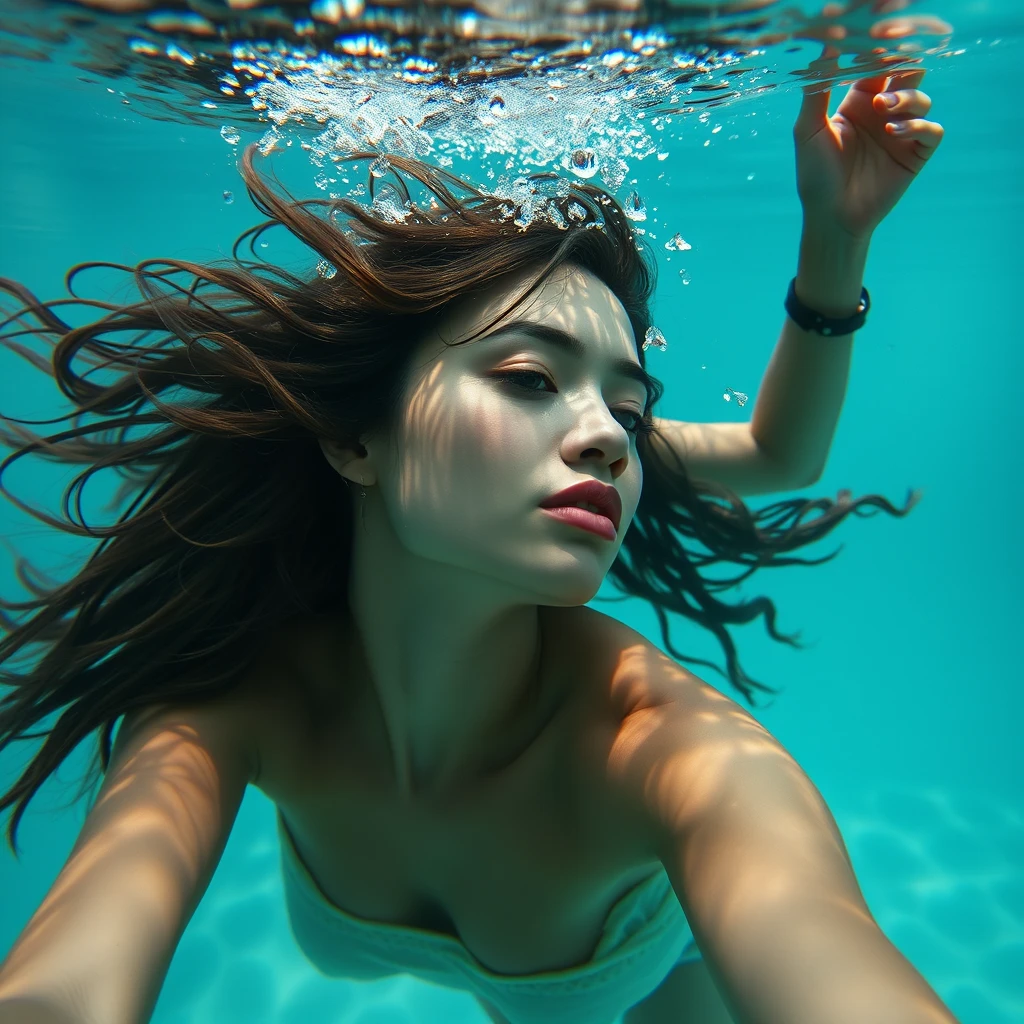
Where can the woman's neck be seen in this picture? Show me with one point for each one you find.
(452, 681)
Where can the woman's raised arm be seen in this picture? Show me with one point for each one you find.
(852, 169)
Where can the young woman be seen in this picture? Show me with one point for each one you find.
(480, 781)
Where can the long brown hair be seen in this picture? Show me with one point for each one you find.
(248, 365)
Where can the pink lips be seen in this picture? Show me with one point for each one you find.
(581, 517)
(588, 492)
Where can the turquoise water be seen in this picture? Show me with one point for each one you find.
(904, 709)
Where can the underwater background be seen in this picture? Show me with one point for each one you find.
(905, 706)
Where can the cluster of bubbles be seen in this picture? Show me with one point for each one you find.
(587, 87)
(592, 118)
(589, 110)
(578, 118)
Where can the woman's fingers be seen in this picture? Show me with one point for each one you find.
(927, 133)
(908, 103)
(909, 78)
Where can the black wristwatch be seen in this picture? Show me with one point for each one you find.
(810, 320)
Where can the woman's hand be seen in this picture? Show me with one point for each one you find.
(853, 167)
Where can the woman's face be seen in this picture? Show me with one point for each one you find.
(472, 455)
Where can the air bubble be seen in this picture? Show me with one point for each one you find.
(635, 208)
(269, 141)
(326, 270)
(654, 337)
(741, 398)
(556, 217)
(614, 172)
(497, 105)
(380, 166)
(678, 242)
(229, 197)
(583, 163)
(229, 135)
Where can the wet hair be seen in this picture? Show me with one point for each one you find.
(232, 520)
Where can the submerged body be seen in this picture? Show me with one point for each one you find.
(531, 869)
(467, 753)
(521, 866)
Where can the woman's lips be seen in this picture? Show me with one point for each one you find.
(584, 519)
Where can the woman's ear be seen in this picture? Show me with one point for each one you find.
(346, 462)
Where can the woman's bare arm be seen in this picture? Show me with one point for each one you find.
(98, 947)
(785, 445)
(756, 860)
(851, 169)
(32, 1010)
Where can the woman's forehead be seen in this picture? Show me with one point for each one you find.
(570, 298)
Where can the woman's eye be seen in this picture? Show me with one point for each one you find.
(514, 378)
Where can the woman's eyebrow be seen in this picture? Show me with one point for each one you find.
(573, 346)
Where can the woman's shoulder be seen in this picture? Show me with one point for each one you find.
(610, 670)
(625, 672)
(275, 698)
(606, 657)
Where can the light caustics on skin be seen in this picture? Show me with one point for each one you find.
(467, 449)
(456, 556)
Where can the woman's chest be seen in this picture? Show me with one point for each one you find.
(523, 871)
(523, 868)
(525, 888)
